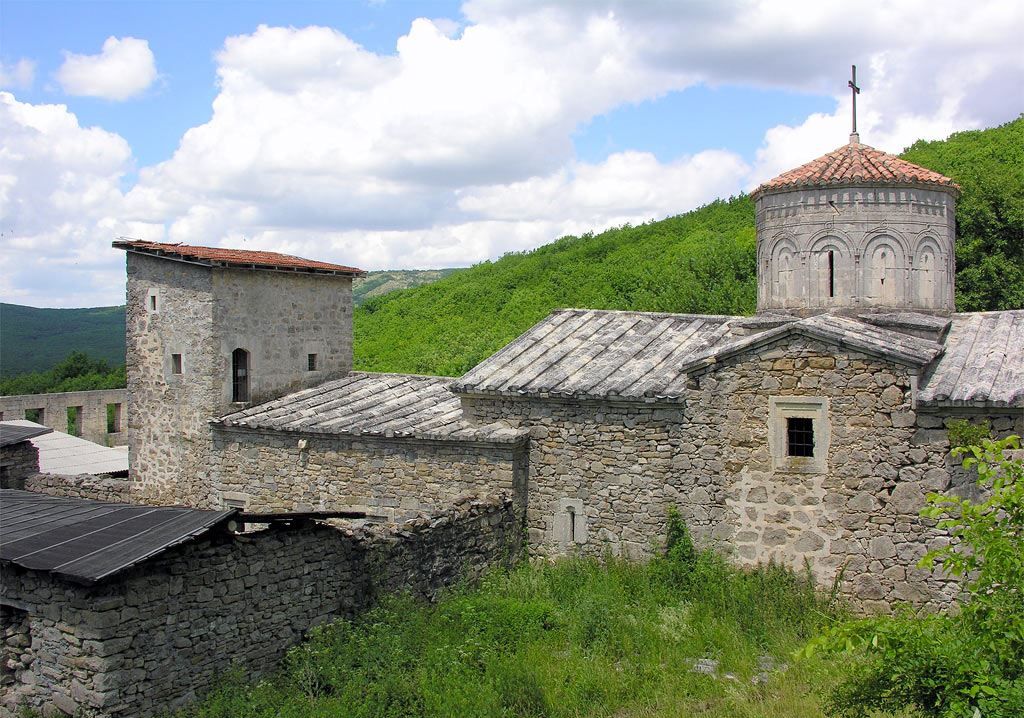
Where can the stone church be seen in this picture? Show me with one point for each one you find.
(809, 432)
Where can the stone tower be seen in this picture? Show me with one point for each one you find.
(856, 230)
(212, 330)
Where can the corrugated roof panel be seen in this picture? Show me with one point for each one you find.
(87, 541)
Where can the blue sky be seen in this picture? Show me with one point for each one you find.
(400, 134)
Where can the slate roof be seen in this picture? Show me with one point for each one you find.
(15, 432)
(87, 541)
(61, 453)
(581, 353)
(852, 164)
(876, 341)
(374, 405)
(983, 364)
(241, 258)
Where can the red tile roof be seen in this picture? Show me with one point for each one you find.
(244, 258)
(853, 164)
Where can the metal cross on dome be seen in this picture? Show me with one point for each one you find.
(852, 84)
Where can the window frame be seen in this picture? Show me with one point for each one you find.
(241, 397)
(783, 408)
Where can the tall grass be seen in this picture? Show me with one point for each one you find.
(579, 637)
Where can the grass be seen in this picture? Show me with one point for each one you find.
(579, 637)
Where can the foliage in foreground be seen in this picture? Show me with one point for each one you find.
(579, 637)
(966, 664)
(76, 372)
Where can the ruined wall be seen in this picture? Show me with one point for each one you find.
(92, 415)
(17, 463)
(83, 486)
(168, 437)
(270, 471)
(166, 631)
(281, 318)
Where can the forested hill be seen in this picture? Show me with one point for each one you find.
(34, 339)
(702, 261)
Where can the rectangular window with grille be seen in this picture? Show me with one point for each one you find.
(799, 436)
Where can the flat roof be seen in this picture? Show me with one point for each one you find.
(238, 258)
(87, 541)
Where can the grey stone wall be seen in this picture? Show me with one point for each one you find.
(92, 417)
(83, 486)
(17, 463)
(902, 234)
(168, 437)
(165, 632)
(603, 476)
(292, 471)
(280, 318)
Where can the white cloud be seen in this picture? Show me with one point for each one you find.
(124, 68)
(19, 75)
(458, 146)
(59, 206)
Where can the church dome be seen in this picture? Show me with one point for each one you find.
(854, 164)
(856, 229)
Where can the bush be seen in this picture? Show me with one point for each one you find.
(967, 663)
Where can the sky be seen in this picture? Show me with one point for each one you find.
(415, 135)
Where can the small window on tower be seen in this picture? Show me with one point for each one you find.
(175, 363)
(799, 436)
(152, 302)
(311, 362)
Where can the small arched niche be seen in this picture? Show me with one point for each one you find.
(883, 271)
(830, 267)
(930, 275)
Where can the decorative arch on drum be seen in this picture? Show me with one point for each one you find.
(884, 269)
(930, 274)
(830, 268)
(784, 276)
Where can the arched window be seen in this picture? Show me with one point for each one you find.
(239, 375)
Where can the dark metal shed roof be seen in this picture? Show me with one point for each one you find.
(87, 541)
(14, 434)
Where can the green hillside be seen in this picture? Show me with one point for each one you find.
(378, 283)
(702, 261)
(34, 339)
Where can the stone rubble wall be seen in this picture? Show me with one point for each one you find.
(19, 461)
(164, 633)
(92, 418)
(83, 486)
(395, 478)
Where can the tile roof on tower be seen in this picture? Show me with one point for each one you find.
(854, 163)
(241, 258)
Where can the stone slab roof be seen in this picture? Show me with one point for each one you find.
(832, 329)
(68, 455)
(983, 365)
(374, 405)
(87, 541)
(580, 353)
(239, 258)
(854, 164)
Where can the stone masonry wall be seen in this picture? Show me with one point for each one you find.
(17, 463)
(602, 475)
(165, 632)
(859, 511)
(83, 486)
(281, 318)
(277, 471)
(168, 434)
